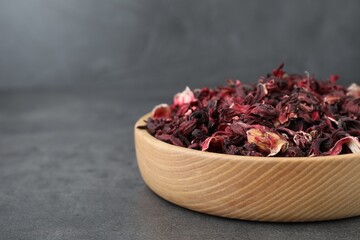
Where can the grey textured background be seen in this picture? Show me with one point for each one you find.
(173, 43)
(76, 74)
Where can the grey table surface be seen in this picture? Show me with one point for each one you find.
(76, 75)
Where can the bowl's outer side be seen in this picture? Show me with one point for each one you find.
(251, 188)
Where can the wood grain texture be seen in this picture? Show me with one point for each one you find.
(251, 188)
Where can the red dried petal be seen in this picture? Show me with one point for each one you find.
(284, 115)
(213, 144)
(263, 110)
(352, 107)
(332, 99)
(187, 127)
(334, 78)
(161, 111)
(352, 143)
(278, 72)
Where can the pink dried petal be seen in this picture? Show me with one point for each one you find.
(354, 90)
(284, 117)
(186, 96)
(302, 139)
(240, 107)
(305, 107)
(268, 142)
(182, 110)
(161, 111)
(188, 113)
(332, 99)
(194, 146)
(352, 143)
(213, 144)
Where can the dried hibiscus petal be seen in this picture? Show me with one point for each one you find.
(294, 152)
(184, 97)
(352, 106)
(351, 142)
(268, 142)
(302, 139)
(287, 115)
(187, 127)
(354, 90)
(161, 111)
(213, 144)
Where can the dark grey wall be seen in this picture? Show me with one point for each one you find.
(170, 44)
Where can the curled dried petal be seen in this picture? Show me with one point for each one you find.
(213, 144)
(332, 99)
(354, 90)
(161, 111)
(351, 142)
(184, 97)
(302, 139)
(268, 142)
(319, 146)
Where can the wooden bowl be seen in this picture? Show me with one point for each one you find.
(252, 188)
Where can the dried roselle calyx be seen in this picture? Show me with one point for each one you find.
(351, 107)
(268, 142)
(332, 99)
(184, 97)
(213, 144)
(348, 123)
(351, 142)
(354, 90)
(285, 115)
(294, 152)
(302, 139)
(161, 111)
(263, 110)
(187, 127)
(278, 72)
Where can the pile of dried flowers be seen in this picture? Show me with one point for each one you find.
(284, 115)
